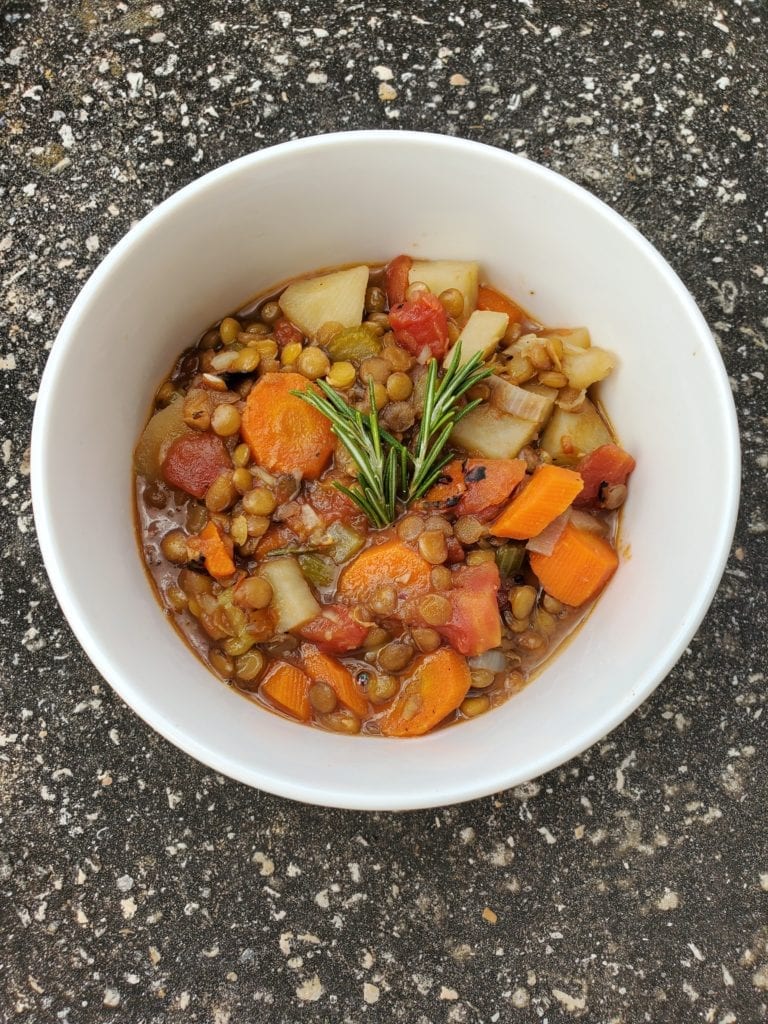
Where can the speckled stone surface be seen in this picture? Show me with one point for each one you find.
(136, 886)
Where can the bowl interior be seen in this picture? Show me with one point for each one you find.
(366, 197)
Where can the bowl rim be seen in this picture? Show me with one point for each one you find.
(458, 790)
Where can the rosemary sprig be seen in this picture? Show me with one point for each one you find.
(440, 415)
(386, 469)
(362, 436)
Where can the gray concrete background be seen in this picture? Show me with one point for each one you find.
(632, 884)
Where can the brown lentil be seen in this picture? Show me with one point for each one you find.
(399, 385)
(250, 665)
(452, 302)
(174, 547)
(432, 546)
(322, 697)
(238, 530)
(242, 480)
(468, 530)
(225, 420)
(397, 357)
(270, 312)
(384, 601)
(480, 556)
(481, 678)
(237, 645)
(341, 375)
(253, 592)
(328, 331)
(613, 496)
(374, 368)
(474, 706)
(342, 720)
(257, 526)
(435, 609)
(521, 601)
(381, 688)
(229, 328)
(413, 291)
(441, 577)
(552, 605)
(313, 363)
(259, 502)
(221, 495)
(375, 299)
(221, 663)
(410, 528)
(531, 641)
(426, 639)
(394, 656)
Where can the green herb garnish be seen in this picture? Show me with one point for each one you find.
(387, 470)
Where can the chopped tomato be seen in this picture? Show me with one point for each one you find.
(397, 279)
(334, 506)
(606, 465)
(194, 461)
(334, 630)
(474, 625)
(420, 323)
(285, 332)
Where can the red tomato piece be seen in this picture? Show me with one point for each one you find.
(334, 506)
(194, 461)
(474, 625)
(608, 464)
(397, 279)
(420, 323)
(334, 630)
(285, 332)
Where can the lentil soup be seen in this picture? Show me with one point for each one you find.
(377, 500)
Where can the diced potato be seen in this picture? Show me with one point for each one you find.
(292, 599)
(584, 367)
(164, 427)
(495, 435)
(482, 333)
(337, 297)
(440, 275)
(578, 337)
(571, 435)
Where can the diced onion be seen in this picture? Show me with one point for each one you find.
(544, 543)
(424, 356)
(584, 521)
(509, 398)
(493, 660)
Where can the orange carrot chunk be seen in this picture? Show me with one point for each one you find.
(288, 688)
(489, 298)
(548, 494)
(436, 686)
(489, 482)
(319, 666)
(283, 432)
(391, 564)
(450, 486)
(580, 565)
(215, 548)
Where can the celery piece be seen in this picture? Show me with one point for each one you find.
(353, 343)
(319, 570)
(510, 558)
(345, 542)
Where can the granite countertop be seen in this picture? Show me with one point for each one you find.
(137, 886)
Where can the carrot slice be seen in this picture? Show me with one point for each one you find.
(288, 687)
(549, 493)
(580, 565)
(489, 298)
(389, 564)
(283, 432)
(436, 686)
(321, 666)
(489, 482)
(215, 548)
(449, 488)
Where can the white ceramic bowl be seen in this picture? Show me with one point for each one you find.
(365, 197)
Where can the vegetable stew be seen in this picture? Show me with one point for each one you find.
(377, 500)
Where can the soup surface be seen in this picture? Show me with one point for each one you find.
(376, 500)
